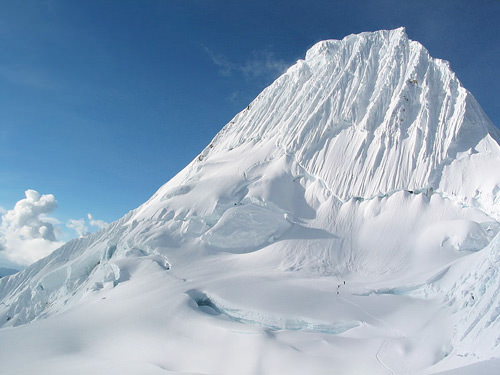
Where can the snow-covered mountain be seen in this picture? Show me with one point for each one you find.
(346, 221)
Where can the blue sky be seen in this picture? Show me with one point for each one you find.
(101, 102)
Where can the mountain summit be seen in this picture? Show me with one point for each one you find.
(368, 115)
(326, 227)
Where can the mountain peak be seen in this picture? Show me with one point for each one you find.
(366, 162)
(369, 114)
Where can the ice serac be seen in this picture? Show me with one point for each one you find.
(366, 162)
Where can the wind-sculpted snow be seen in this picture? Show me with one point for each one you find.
(347, 220)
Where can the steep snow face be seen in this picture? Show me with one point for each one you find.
(368, 115)
(367, 163)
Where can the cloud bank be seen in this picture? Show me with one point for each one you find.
(27, 232)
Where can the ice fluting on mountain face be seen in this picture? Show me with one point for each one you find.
(356, 177)
(369, 114)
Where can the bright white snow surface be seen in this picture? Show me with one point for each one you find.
(346, 222)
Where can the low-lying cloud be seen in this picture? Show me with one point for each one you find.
(28, 232)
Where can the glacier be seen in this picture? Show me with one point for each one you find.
(346, 221)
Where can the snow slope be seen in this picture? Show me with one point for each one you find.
(340, 223)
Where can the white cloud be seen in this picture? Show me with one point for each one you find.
(261, 64)
(81, 226)
(225, 66)
(27, 232)
(99, 224)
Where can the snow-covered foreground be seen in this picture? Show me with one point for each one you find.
(345, 222)
(230, 314)
(230, 317)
